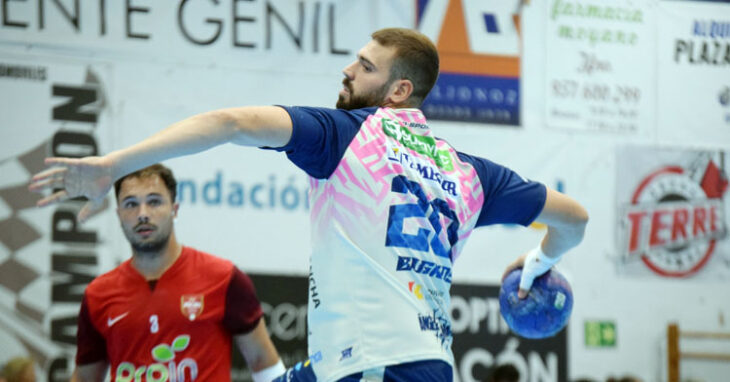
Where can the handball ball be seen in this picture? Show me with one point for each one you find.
(545, 310)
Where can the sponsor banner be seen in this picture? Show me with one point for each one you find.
(479, 48)
(672, 213)
(598, 75)
(54, 108)
(284, 302)
(483, 341)
(321, 36)
(693, 81)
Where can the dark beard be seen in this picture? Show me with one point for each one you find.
(375, 98)
(152, 248)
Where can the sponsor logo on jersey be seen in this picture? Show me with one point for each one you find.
(191, 305)
(417, 125)
(313, 289)
(412, 264)
(423, 168)
(437, 323)
(422, 292)
(346, 353)
(110, 321)
(415, 289)
(316, 357)
(165, 369)
(675, 216)
(421, 144)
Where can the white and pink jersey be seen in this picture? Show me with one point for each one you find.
(391, 207)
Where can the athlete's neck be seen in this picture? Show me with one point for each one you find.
(153, 264)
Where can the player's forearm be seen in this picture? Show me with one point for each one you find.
(559, 240)
(249, 126)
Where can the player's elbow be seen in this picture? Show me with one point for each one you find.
(226, 120)
(581, 218)
(571, 224)
(576, 223)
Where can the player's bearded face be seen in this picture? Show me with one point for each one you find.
(152, 243)
(146, 213)
(355, 100)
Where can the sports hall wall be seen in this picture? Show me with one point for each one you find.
(623, 105)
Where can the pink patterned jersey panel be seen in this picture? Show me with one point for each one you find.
(358, 194)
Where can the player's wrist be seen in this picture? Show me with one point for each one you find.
(536, 264)
(270, 373)
(542, 257)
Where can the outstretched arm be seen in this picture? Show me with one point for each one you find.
(566, 220)
(247, 126)
(93, 177)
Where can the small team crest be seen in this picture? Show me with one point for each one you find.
(191, 305)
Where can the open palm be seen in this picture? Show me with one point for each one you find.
(68, 178)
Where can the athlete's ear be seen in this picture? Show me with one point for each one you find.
(400, 92)
(175, 208)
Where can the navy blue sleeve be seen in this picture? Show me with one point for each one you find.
(508, 197)
(320, 137)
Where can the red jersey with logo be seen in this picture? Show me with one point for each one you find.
(177, 328)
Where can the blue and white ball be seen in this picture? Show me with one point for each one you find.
(545, 310)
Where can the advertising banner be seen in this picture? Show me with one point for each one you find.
(319, 36)
(284, 302)
(672, 213)
(694, 72)
(46, 258)
(479, 48)
(599, 72)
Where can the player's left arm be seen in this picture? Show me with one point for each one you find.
(244, 319)
(566, 220)
(260, 353)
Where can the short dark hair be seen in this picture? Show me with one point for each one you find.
(416, 59)
(156, 169)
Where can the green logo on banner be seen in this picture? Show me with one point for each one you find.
(599, 334)
(418, 143)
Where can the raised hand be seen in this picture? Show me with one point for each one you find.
(69, 178)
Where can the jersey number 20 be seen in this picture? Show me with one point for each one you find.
(395, 237)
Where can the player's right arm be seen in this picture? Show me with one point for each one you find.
(93, 177)
(92, 372)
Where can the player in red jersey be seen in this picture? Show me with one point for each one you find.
(170, 313)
